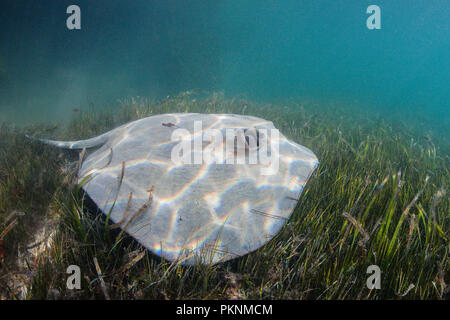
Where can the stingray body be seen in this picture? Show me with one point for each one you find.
(188, 211)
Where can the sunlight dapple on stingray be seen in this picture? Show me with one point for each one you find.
(196, 186)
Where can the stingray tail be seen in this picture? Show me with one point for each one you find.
(80, 144)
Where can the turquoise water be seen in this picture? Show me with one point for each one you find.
(266, 50)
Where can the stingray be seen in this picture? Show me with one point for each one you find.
(152, 179)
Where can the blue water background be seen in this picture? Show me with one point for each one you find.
(265, 50)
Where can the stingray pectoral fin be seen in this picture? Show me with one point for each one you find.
(80, 144)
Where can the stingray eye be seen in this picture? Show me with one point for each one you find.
(252, 139)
